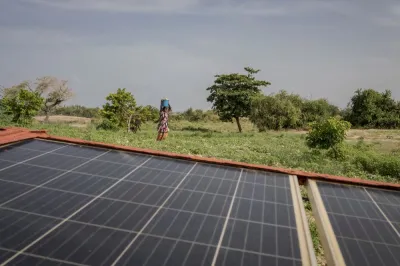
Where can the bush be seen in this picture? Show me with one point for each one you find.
(328, 134)
(373, 109)
(384, 165)
(107, 124)
(76, 110)
(269, 112)
(21, 103)
(284, 111)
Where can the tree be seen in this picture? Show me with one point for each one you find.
(54, 92)
(370, 108)
(119, 108)
(147, 113)
(231, 95)
(272, 112)
(21, 102)
(317, 110)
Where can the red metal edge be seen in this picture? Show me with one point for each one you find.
(14, 134)
(302, 176)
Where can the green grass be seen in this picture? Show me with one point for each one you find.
(365, 159)
(219, 140)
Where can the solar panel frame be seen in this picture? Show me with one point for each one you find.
(353, 228)
(213, 189)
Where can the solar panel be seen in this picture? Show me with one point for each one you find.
(362, 221)
(75, 205)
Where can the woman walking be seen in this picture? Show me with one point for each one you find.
(163, 121)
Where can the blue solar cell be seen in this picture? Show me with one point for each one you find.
(92, 206)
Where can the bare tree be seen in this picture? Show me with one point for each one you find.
(54, 92)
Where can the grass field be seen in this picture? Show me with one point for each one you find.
(370, 154)
(282, 149)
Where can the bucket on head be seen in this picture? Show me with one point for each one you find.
(164, 102)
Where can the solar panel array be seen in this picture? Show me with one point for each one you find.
(63, 204)
(365, 221)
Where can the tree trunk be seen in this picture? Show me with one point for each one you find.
(238, 124)
(46, 119)
(129, 123)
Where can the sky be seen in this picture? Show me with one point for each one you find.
(173, 48)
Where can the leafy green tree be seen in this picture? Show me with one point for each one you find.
(147, 113)
(310, 110)
(271, 112)
(328, 134)
(21, 102)
(231, 95)
(317, 110)
(119, 108)
(370, 108)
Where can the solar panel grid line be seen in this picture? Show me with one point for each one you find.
(366, 232)
(108, 227)
(100, 148)
(384, 215)
(44, 258)
(32, 158)
(38, 186)
(86, 240)
(99, 175)
(369, 241)
(202, 224)
(352, 229)
(226, 201)
(276, 230)
(18, 230)
(346, 250)
(115, 229)
(144, 204)
(329, 242)
(152, 217)
(60, 219)
(226, 221)
(130, 181)
(174, 219)
(21, 229)
(344, 214)
(48, 199)
(248, 224)
(363, 239)
(288, 217)
(362, 200)
(303, 229)
(211, 191)
(66, 219)
(262, 227)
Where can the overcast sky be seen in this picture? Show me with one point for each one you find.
(173, 48)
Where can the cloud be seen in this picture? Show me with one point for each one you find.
(206, 7)
(220, 7)
(391, 18)
(23, 36)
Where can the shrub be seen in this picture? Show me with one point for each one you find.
(107, 124)
(22, 103)
(385, 165)
(269, 112)
(119, 107)
(328, 134)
